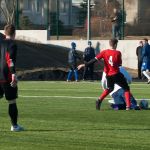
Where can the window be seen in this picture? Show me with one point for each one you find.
(63, 7)
(26, 4)
(38, 6)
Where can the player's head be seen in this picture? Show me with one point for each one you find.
(90, 43)
(145, 41)
(141, 43)
(10, 31)
(113, 43)
(73, 45)
(143, 104)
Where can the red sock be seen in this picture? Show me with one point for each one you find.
(104, 94)
(127, 97)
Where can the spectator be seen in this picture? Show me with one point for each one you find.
(97, 48)
(89, 54)
(2, 37)
(139, 58)
(116, 24)
(146, 59)
(72, 60)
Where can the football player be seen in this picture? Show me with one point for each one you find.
(118, 101)
(8, 79)
(112, 62)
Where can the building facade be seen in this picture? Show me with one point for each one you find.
(38, 11)
(137, 16)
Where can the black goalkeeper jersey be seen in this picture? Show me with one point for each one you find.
(8, 52)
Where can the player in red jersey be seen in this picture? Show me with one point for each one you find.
(112, 61)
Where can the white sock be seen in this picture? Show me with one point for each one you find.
(146, 75)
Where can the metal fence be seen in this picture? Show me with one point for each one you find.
(69, 19)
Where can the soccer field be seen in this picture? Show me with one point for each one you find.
(62, 116)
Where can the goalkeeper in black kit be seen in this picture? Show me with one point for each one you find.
(8, 79)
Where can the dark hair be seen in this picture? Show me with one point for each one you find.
(145, 39)
(10, 30)
(113, 42)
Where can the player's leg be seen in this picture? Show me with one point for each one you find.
(75, 72)
(121, 81)
(91, 71)
(13, 111)
(110, 85)
(70, 73)
(145, 72)
(85, 72)
(11, 94)
(113, 31)
(76, 75)
(119, 32)
(139, 69)
(1, 91)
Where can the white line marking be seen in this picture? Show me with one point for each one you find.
(68, 97)
(64, 82)
(72, 89)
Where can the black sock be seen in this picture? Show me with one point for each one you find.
(13, 113)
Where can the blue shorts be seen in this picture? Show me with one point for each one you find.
(145, 66)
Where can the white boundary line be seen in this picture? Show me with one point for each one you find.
(68, 97)
(72, 89)
(54, 82)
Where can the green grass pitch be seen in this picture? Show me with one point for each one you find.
(62, 116)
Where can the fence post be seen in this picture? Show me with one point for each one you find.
(17, 14)
(123, 19)
(57, 19)
(89, 21)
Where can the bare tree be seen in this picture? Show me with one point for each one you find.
(7, 8)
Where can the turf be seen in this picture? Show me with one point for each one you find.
(62, 116)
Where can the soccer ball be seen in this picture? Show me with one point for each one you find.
(143, 104)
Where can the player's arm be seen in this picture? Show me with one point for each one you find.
(92, 61)
(11, 61)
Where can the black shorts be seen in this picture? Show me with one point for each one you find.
(10, 92)
(118, 79)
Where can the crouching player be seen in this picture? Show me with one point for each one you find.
(8, 80)
(118, 102)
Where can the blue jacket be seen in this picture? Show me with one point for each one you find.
(89, 54)
(73, 56)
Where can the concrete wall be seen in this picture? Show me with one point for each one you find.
(127, 47)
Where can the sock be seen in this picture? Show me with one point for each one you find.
(13, 113)
(146, 75)
(127, 97)
(104, 94)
